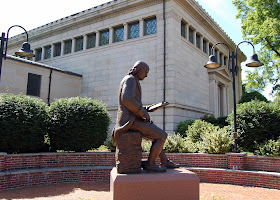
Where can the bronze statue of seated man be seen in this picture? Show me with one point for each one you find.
(132, 115)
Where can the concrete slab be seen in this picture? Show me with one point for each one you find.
(177, 184)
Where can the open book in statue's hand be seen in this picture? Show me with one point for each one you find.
(154, 107)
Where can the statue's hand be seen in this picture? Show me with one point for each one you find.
(147, 107)
(146, 116)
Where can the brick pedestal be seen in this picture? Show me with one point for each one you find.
(129, 152)
(179, 184)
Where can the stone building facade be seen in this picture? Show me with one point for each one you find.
(174, 37)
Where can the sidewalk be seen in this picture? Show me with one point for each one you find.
(101, 191)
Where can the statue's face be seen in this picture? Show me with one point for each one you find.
(143, 73)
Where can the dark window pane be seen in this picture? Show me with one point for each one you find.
(210, 49)
(183, 29)
(57, 49)
(150, 26)
(204, 46)
(216, 55)
(38, 54)
(198, 41)
(79, 43)
(118, 34)
(91, 40)
(104, 37)
(191, 38)
(67, 46)
(221, 58)
(133, 30)
(33, 84)
(48, 52)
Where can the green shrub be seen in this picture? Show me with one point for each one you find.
(220, 121)
(109, 143)
(197, 130)
(177, 144)
(78, 124)
(257, 122)
(146, 145)
(219, 141)
(207, 138)
(182, 127)
(23, 124)
(269, 148)
(254, 95)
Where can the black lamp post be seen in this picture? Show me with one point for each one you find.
(212, 64)
(24, 51)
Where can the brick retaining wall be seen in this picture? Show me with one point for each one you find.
(21, 170)
(49, 160)
(225, 161)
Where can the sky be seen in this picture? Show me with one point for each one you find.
(33, 13)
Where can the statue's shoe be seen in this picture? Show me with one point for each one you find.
(169, 165)
(152, 167)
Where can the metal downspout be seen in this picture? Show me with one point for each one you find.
(164, 63)
(50, 81)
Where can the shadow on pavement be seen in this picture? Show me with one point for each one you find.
(52, 190)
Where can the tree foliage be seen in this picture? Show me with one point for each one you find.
(257, 122)
(261, 25)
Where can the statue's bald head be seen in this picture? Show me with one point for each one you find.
(139, 65)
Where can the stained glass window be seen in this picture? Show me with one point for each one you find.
(118, 34)
(57, 49)
(79, 43)
(133, 30)
(67, 46)
(204, 46)
(198, 40)
(150, 26)
(104, 37)
(48, 52)
(38, 54)
(191, 32)
(183, 29)
(91, 39)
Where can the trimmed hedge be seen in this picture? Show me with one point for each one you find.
(257, 122)
(23, 124)
(78, 124)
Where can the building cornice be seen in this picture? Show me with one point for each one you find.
(86, 17)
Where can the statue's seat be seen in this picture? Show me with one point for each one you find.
(129, 152)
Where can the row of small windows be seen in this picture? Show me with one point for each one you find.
(133, 31)
(195, 38)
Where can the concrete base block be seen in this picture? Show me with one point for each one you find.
(177, 184)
